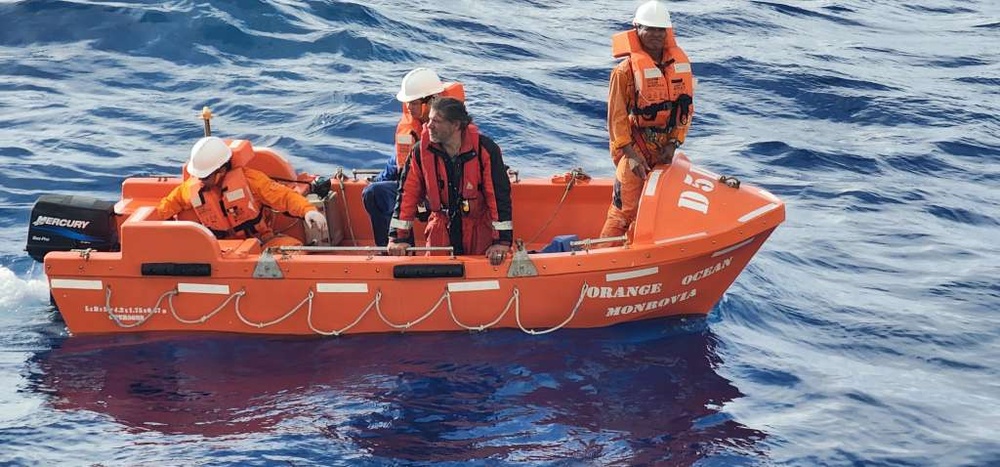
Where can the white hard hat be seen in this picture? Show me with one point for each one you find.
(207, 155)
(419, 83)
(653, 14)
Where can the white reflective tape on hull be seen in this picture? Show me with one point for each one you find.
(652, 182)
(78, 284)
(341, 288)
(758, 212)
(733, 248)
(183, 287)
(473, 286)
(620, 276)
(705, 173)
(682, 238)
(768, 195)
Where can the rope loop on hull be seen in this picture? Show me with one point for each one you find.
(173, 311)
(114, 317)
(572, 314)
(515, 299)
(376, 303)
(408, 325)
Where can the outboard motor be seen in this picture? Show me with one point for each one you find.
(67, 222)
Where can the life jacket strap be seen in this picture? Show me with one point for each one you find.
(249, 228)
(649, 112)
(640, 143)
(681, 112)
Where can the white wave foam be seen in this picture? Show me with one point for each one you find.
(16, 292)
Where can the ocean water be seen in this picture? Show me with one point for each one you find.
(865, 332)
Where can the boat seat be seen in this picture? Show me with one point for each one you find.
(273, 164)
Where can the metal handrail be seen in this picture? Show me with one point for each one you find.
(367, 249)
(586, 243)
(356, 172)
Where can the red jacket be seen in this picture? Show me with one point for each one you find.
(468, 195)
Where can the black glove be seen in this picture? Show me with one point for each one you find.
(320, 186)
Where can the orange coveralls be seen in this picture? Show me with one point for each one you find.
(266, 191)
(628, 187)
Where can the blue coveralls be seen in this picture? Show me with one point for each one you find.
(380, 199)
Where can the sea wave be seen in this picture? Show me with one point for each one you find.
(863, 332)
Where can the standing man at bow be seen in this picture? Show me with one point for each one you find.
(649, 108)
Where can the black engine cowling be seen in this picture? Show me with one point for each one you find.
(67, 222)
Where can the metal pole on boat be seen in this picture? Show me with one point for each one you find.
(367, 249)
(206, 115)
(587, 243)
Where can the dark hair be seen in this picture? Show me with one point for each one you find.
(453, 110)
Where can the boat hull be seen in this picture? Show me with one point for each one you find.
(583, 290)
(683, 254)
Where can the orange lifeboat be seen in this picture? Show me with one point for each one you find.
(692, 238)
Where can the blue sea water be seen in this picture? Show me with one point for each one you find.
(865, 332)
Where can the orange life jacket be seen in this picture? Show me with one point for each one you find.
(664, 93)
(230, 211)
(408, 129)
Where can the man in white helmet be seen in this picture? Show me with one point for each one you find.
(232, 200)
(418, 88)
(649, 107)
